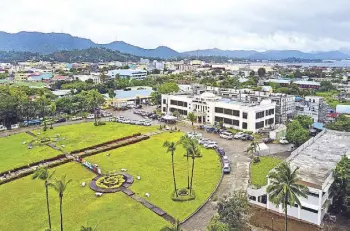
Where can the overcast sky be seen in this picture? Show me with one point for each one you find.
(307, 25)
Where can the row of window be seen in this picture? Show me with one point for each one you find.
(178, 103)
(226, 111)
(182, 112)
(227, 121)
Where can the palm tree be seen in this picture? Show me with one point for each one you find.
(284, 188)
(171, 147)
(192, 117)
(43, 174)
(174, 227)
(60, 186)
(253, 148)
(184, 141)
(194, 152)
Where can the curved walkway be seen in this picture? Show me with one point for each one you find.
(236, 180)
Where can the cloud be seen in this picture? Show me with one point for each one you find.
(189, 24)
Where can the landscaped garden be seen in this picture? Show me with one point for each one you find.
(148, 162)
(77, 136)
(260, 170)
(14, 151)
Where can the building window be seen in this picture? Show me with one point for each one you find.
(185, 104)
(228, 111)
(173, 102)
(308, 209)
(219, 110)
(252, 198)
(164, 101)
(164, 109)
(235, 113)
(260, 115)
(245, 115)
(180, 103)
(244, 125)
(218, 119)
(259, 125)
(270, 121)
(271, 111)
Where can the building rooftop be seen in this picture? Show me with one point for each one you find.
(318, 157)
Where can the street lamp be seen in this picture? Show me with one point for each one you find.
(272, 222)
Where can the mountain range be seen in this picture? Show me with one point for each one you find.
(45, 43)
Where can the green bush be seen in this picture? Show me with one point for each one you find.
(99, 123)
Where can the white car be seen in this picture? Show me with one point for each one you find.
(147, 123)
(91, 116)
(203, 141)
(126, 121)
(238, 135)
(133, 121)
(211, 144)
(77, 118)
(283, 140)
(2, 128)
(226, 135)
(225, 160)
(14, 126)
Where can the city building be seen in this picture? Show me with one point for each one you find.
(95, 78)
(129, 96)
(128, 73)
(308, 84)
(316, 159)
(210, 109)
(313, 106)
(285, 107)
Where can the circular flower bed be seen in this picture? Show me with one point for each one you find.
(111, 181)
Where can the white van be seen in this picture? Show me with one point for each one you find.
(226, 135)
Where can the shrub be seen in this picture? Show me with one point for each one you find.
(256, 159)
(99, 123)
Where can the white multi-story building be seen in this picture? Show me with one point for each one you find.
(210, 109)
(128, 73)
(316, 159)
(313, 106)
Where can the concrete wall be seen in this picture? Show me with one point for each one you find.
(309, 216)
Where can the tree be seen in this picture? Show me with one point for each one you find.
(296, 134)
(174, 227)
(192, 117)
(185, 142)
(253, 147)
(168, 87)
(60, 186)
(341, 187)
(234, 211)
(111, 93)
(342, 123)
(43, 174)
(156, 97)
(252, 73)
(304, 120)
(216, 225)
(171, 147)
(284, 189)
(194, 152)
(95, 99)
(327, 86)
(44, 103)
(261, 72)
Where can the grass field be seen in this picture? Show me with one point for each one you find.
(13, 153)
(149, 160)
(25, 207)
(260, 170)
(83, 135)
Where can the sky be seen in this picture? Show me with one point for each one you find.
(307, 25)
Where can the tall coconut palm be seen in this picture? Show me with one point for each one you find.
(171, 147)
(60, 186)
(185, 142)
(194, 152)
(284, 188)
(253, 147)
(43, 174)
(192, 117)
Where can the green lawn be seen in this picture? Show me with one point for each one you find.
(83, 135)
(149, 160)
(260, 170)
(25, 207)
(13, 153)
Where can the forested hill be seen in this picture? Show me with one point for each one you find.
(87, 55)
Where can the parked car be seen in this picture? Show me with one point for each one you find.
(226, 169)
(220, 151)
(14, 126)
(211, 144)
(238, 135)
(247, 137)
(91, 116)
(133, 121)
(77, 118)
(126, 121)
(284, 140)
(202, 141)
(111, 119)
(31, 122)
(147, 123)
(267, 140)
(225, 160)
(2, 128)
(226, 135)
(138, 106)
(61, 120)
